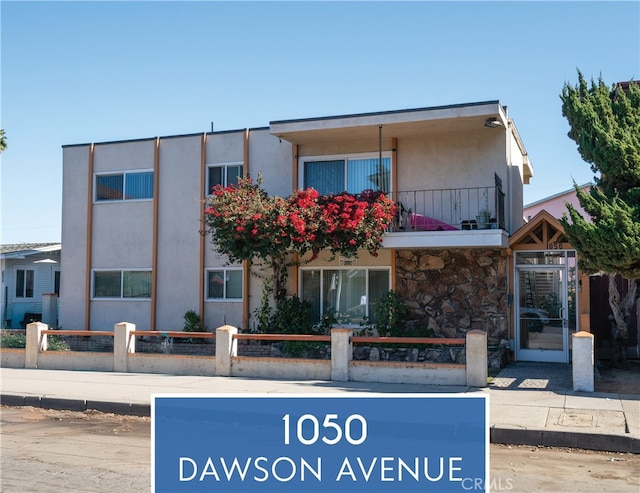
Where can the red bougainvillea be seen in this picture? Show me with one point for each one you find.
(247, 224)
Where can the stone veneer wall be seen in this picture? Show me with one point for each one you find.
(452, 291)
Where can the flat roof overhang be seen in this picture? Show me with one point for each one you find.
(402, 123)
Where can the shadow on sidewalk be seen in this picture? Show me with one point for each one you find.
(534, 376)
(559, 377)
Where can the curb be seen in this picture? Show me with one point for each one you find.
(129, 409)
(567, 439)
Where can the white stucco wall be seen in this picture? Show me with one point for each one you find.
(225, 147)
(451, 160)
(179, 210)
(515, 187)
(221, 148)
(75, 176)
(122, 234)
(273, 159)
(172, 364)
(123, 155)
(107, 313)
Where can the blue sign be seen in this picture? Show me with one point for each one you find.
(397, 443)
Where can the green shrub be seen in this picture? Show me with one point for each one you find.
(390, 317)
(56, 343)
(391, 320)
(193, 322)
(13, 341)
(264, 312)
(292, 316)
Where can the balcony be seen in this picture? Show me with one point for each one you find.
(453, 217)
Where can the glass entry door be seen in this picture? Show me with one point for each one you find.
(542, 321)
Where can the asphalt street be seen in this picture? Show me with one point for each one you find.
(56, 451)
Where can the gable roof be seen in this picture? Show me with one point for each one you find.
(539, 232)
(21, 250)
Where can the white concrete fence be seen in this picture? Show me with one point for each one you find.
(227, 362)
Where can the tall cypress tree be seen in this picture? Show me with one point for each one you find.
(605, 124)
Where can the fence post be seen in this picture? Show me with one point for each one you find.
(36, 341)
(123, 345)
(582, 364)
(226, 349)
(477, 363)
(341, 354)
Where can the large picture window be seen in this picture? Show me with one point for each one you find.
(124, 186)
(224, 284)
(223, 174)
(347, 174)
(349, 294)
(25, 280)
(122, 284)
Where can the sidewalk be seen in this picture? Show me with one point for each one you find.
(529, 404)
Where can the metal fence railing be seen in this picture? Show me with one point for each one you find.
(449, 209)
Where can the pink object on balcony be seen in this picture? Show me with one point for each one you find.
(424, 223)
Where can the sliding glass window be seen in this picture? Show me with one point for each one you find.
(124, 186)
(121, 284)
(347, 174)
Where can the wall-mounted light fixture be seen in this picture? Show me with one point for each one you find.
(492, 123)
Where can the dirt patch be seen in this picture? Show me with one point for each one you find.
(618, 381)
(95, 422)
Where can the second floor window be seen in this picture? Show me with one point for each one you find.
(223, 175)
(124, 186)
(347, 174)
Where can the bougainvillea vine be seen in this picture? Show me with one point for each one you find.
(245, 223)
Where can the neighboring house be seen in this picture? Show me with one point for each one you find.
(132, 217)
(556, 204)
(30, 283)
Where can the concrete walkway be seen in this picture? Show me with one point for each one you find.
(529, 403)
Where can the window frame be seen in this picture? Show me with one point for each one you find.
(225, 166)
(121, 297)
(322, 269)
(224, 298)
(24, 294)
(124, 174)
(344, 157)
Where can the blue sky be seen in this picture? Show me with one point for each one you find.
(78, 72)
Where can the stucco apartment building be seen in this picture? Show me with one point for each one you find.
(133, 248)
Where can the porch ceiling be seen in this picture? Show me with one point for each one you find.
(403, 123)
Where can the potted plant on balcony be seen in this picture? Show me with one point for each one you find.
(484, 214)
(483, 218)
